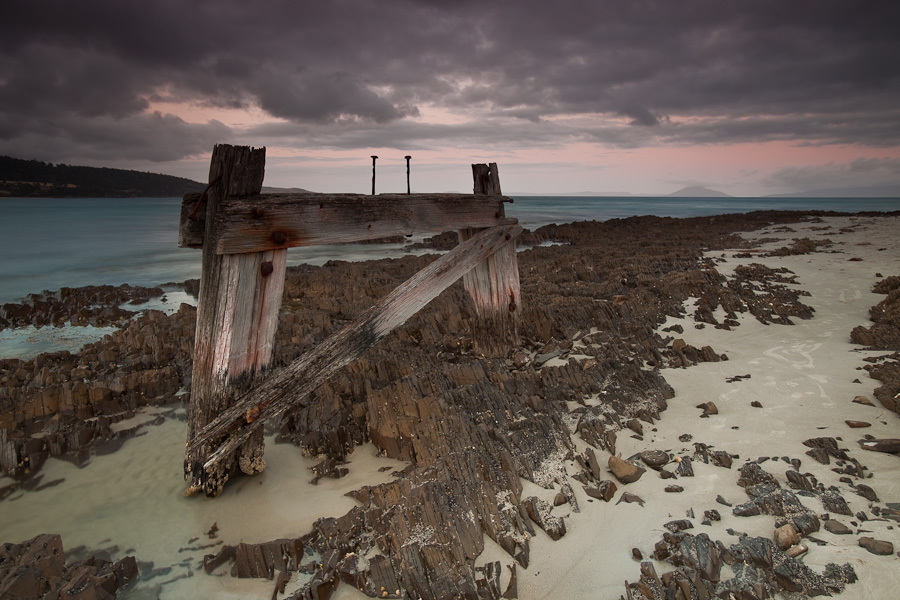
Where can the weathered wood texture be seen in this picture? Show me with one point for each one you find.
(291, 386)
(271, 221)
(237, 316)
(192, 226)
(493, 283)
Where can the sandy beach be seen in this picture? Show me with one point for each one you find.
(780, 386)
(805, 377)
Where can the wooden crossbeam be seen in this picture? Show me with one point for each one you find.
(291, 386)
(274, 221)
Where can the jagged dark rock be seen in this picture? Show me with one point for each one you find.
(760, 570)
(605, 490)
(884, 334)
(629, 497)
(768, 498)
(37, 568)
(91, 305)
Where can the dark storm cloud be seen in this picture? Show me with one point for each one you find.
(78, 77)
(873, 173)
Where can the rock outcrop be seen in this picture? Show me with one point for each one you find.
(884, 334)
(37, 568)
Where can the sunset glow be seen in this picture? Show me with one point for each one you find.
(641, 98)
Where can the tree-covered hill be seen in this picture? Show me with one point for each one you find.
(34, 179)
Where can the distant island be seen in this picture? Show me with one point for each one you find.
(35, 179)
(696, 191)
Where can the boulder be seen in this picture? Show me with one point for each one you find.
(655, 459)
(624, 471)
(879, 547)
(786, 536)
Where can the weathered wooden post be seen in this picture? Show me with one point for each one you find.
(493, 283)
(237, 316)
(374, 158)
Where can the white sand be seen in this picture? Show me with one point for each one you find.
(133, 498)
(803, 376)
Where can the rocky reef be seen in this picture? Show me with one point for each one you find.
(469, 427)
(37, 568)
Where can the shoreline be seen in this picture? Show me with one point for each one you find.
(552, 559)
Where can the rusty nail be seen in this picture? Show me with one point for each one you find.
(256, 213)
(266, 268)
(279, 237)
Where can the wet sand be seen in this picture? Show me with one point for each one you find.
(133, 499)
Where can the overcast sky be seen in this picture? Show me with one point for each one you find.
(750, 98)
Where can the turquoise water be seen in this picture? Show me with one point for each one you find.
(49, 243)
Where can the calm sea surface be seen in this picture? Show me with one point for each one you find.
(49, 243)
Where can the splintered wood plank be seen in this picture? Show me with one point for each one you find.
(292, 385)
(271, 221)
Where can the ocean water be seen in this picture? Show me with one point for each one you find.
(536, 211)
(49, 243)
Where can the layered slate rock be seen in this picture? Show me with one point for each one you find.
(69, 405)
(91, 305)
(761, 570)
(884, 334)
(37, 568)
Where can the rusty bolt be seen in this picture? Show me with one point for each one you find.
(266, 268)
(256, 213)
(279, 237)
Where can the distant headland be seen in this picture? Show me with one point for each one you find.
(35, 179)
